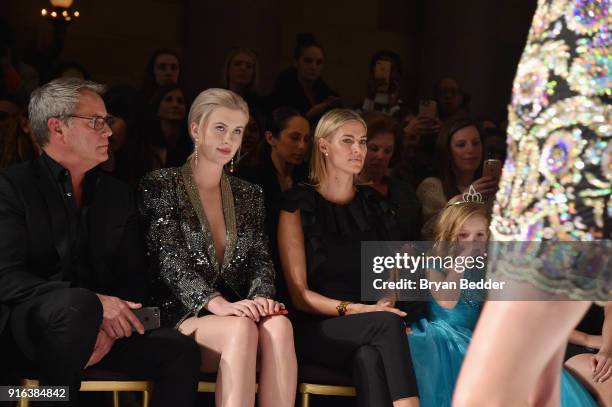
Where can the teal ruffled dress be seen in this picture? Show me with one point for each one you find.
(438, 345)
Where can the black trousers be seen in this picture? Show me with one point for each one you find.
(53, 336)
(372, 345)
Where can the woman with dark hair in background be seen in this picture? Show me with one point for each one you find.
(384, 80)
(240, 75)
(384, 146)
(459, 157)
(163, 68)
(302, 87)
(171, 146)
(451, 99)
(280, 167)
(132, 125)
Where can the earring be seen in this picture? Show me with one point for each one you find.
(196, 151)
(326, 154)
(231, 168)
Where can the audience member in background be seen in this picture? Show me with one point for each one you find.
(16, 77)
(207, 236)
(589, 352)
(171, 146)
(321, 227)
(16, 144)
(163, 68)
(72, 266)
(384, 81)
(281, 166)
(384, 147)
(451, 99)
(240, 75)
(459, 157)
(416, 160)
(302, 87)
(132, 124)
(70, 69)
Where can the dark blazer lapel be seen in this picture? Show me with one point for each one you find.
(229, 215)
(57, 213)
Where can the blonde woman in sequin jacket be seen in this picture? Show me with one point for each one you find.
(205, 232)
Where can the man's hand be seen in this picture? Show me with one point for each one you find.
(103, 344)
(118, 318)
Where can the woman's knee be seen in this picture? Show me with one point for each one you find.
(366, 357)
(242, 331)
(388, 322)
(277, 329)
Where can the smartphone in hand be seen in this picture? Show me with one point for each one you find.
(428, 108)
(492, 168)
(149, 317)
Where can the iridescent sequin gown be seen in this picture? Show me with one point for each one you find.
(557, 179)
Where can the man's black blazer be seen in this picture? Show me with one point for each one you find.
(35, 240)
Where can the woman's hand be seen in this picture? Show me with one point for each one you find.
(268, 306)
(601, 364)
(487, 186)
(245, 308)
(357, 308)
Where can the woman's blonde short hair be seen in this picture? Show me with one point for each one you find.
(454, 215)
(328, 125)
(210, 99)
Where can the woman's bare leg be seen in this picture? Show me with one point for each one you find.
(580, 366)
(513, 344)
(278, 363)
(228, 345)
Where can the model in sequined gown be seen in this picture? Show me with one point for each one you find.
(555, 188)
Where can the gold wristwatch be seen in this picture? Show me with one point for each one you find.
(342, 307)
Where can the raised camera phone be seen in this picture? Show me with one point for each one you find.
(428, 108)
(492, 168)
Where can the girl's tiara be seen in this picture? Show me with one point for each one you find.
(471, 196)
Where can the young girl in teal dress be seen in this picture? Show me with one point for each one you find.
(439, 342)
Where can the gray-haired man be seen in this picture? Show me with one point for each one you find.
(72, 265)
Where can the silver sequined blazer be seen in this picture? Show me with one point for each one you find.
(180, 244)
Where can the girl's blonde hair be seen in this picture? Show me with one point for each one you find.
(454, 215)
(326, 128)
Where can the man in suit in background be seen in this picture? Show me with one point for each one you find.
(72, 263)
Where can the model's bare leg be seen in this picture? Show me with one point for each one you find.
(278, 363)
(513, 344)
(547, 391)
(580, 366)
(228, 345)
